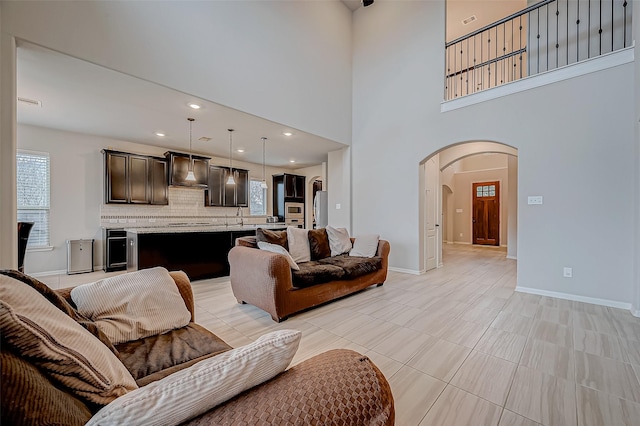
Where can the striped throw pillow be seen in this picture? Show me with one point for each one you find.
(195, 390)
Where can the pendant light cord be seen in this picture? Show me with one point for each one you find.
(191, 120)
(264, 140)
(230, 151)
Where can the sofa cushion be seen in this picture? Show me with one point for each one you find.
(319, 243)
(298, 244)
(66, 352)
(314, 272)
(195, 390)
(155, 357)
(339, 240)
(134, 305)
(275, 248)
(29, 397)
(354, 267)
(60, 303)
(272, 237)
(365, 245)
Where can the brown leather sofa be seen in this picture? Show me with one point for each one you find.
(336, 387)
(264, 279)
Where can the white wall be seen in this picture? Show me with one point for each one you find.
(339, 188)
(287, 61)
(574, 148)
(77, 169)
(636, 36)
(8, 228)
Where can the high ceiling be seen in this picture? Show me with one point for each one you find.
(485, 11)
(81, 97)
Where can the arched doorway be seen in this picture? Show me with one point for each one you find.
(442, 215)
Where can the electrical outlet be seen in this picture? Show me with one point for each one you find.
(152, 220)
(536, 199)
(337, 206)
(461, 234)
(567, 272)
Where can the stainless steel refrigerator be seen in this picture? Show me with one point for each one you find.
(321, 209)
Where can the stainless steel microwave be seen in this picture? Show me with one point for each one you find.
(293, 210)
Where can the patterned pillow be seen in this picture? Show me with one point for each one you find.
(66, 352)
(195, 390)
(319, 244)
(133, 306)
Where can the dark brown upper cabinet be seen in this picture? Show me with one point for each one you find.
(179, 167)
(219, 194)
(134, 179)
(293, 187)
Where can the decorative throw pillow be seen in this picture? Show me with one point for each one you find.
(275, 248)
(133, 306)
(272, 237)
(192, 391)
(298, 244)
(339, 240)
(319, 244)
(43, 334)
(365, 245)
(60, 303)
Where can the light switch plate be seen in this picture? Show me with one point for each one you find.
(458, 210)
(337, 206)
(534, 199)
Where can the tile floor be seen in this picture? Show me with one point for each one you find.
(459, 346)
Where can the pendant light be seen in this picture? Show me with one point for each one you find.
(263, 185)
(231, 180)
(190, 176)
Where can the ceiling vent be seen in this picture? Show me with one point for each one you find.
(469, 20)
(204, 139)
(32, 102)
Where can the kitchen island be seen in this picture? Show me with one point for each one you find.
(200, 251)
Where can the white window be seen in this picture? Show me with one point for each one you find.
(33, 195)
(257, 198)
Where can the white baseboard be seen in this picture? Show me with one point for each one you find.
(96, 268)
(576, 298)
(406, 271)
(512, 257)
(461, 242)
(635, 312)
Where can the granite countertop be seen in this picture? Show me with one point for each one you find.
(202, 228)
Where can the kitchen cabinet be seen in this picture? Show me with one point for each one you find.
(220, 194)
(158, 178)
(134, 179)
(290, 187)
(287, 188)
(294, 187)
(179, 167)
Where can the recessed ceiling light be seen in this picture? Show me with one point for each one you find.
(194, 106)
(160, 134)
(292, 161)
(240, 149)
(287, 133)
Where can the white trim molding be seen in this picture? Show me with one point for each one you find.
(576, 298)
(406, 271)
(588, 66)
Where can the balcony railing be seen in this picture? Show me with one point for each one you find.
(544, 36)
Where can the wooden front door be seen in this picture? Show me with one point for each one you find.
(486, 213)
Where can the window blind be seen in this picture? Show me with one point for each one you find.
(257, 198)
(33, 195)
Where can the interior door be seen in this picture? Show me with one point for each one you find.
(486, 213)
(431, 238)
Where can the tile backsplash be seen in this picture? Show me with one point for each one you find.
(186, 205)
